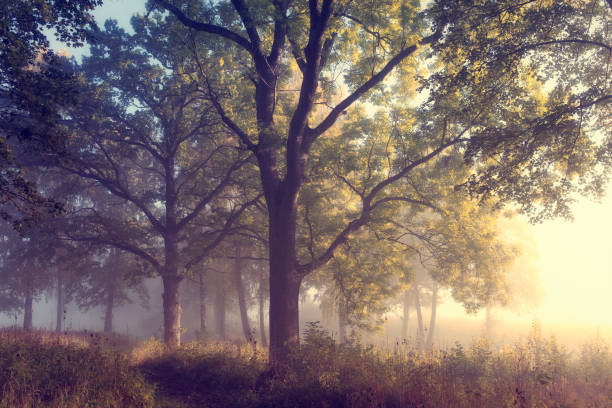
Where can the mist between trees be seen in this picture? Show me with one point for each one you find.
(374, 153)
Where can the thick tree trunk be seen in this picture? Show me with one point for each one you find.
(406, 313)
(220, 303)
(202, 304)
(108, 314)
(262, 318)
(432, 317)
(172, 311)
(244, 318)
(284, 285)
(421, 329)
(60, 313)
(342, 321)
(28, 308)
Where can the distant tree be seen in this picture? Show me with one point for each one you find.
(37, 263)
(110, 283)
(25, 273)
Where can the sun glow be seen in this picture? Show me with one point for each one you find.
(576, 265)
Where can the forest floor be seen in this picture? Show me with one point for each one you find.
(84, 369)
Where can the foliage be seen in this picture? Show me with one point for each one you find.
(34, 87)
(410, 83)
(41, 369)
(212, 374)
(533, 372)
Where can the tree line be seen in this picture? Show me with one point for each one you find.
(357, 148)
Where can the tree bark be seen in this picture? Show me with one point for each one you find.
(220, 302)
(110, 302)
(202, 304)
(284, 283)
(262, 322)
(406, 313)
(342, 322)
(244, 318)
(432, 317)
(172, 311)
(28, 308)
(60, 315)
(421, 329)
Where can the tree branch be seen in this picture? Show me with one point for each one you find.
(212, 194)
(224, 232)
(208, 28)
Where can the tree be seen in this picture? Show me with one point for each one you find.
(24, 275)
(145, 142)
(34, 88)
(109, 283)
(479, 99)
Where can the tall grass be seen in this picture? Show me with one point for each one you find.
(79, 371)
(59, 370)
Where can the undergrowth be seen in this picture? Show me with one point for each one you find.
(533, 373)
(41, 369)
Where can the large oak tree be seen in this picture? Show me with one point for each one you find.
(519, 87)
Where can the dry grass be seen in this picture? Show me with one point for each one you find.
(67, 370)
(533, 373)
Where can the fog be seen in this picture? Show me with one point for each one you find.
(559, 281)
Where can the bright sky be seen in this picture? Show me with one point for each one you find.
(576, 265)
(575, 257)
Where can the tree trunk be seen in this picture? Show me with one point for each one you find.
(284, 284)
(342, 321)
(202, 304)
(220, 302)
(60, 315)
(432, 317)
(110, 302)
(421, 329)
(244, 318)
(172, 311)
(406, 316)
(262, 322)
(28, 308)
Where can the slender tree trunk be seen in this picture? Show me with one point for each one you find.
(406, 313)
(220, 302)
(110, 302)
(172, 311)
(60, 300)
(171, 277)
(28, 308)
(342, 321)
(262, 319)
(244, 318)
(284, 284)
(421, 329)
(432, 317)
(202, 303)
